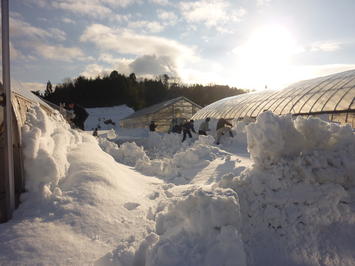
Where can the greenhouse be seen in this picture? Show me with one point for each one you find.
(22, 100)
(162, 114)
(331, 96)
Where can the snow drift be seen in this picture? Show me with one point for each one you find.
(297, 201)
(91, 201)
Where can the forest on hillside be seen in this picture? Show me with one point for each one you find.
(116, 89)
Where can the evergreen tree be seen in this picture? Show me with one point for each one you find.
(48, 90)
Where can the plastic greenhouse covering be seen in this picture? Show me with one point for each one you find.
(332, 94)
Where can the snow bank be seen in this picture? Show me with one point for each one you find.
(297, 201)
(273, 137)
(80, 203)
(294, 206)
(172, 168)
(199, 229)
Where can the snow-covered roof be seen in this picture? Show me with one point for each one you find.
(27, 94)
(328, 94)
(156, 107)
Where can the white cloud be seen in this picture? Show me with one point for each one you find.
(120, 17)
(153, 65)
(58, 34)
(68, 21)
(90, 8)
(160, 2)
(128, 42)
(153, 55)
(39, 3)
(31, 86)
(142, 66)
(211, 12)
(94, 70)
(327, 46)
(121, 3)
(19, 27)
(58, 52)
(261, 3)
(119, 64)
(16, 54)
(168, 17)
(147, 26)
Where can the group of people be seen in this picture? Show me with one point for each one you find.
(185, 127)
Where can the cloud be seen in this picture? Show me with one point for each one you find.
(142, 66)
(58, 52)
(327, 46)
(119, 64)
(261, 3)
(147, 26)
(31, 86)
(68, 21)
(160, 2)
(169, 18)
(128, 42)
(92, 8)
(58, 34)
(94, 70)
(211, 12)
(153, 65)
(20, 28)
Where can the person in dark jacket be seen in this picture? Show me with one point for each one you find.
(80, 115)
(152, 126)
(187, 127)
(204, 127)
(222, 128)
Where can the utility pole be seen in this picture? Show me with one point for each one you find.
(9, 163)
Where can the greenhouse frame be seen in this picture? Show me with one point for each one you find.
(332, 96)
(162, 114)
(21, 100)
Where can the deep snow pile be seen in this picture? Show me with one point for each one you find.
(84, 208)
(201, 229)
(80, 203)
(92, 202)
(298, 200)
(172, 167)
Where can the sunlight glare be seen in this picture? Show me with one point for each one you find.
(265, 57)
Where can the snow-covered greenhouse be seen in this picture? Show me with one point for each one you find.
(331, 96)
(162, 114)
(21, 100)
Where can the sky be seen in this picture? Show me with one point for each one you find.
(251, 44)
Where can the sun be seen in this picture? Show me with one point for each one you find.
(265, 56)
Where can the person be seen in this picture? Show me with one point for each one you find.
(152, 126)
(222, 129)
(204, 127)
(80, 115)
(95, 133)
(186, 129)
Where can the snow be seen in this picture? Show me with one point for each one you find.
(281, 192)
(98, 116)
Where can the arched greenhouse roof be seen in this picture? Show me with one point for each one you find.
(329, 94)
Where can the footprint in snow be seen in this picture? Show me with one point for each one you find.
(131, 205)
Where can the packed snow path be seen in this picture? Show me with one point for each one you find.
(91, 202)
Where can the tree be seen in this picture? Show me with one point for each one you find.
(49, 89)
(114, 75)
